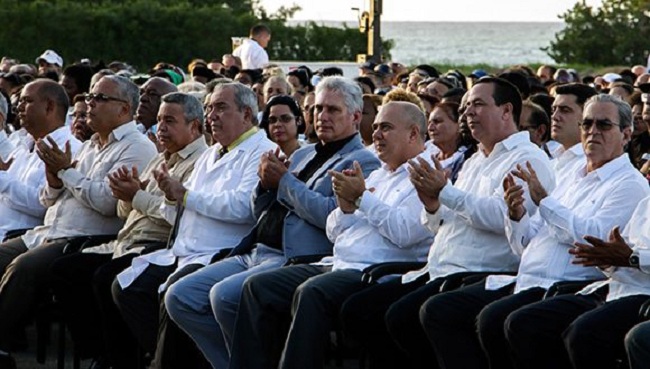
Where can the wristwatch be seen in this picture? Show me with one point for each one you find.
(634, 260)
(357, 201)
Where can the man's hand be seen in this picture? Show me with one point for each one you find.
(5, 165)
(428, 181)
(272, 168)
(348, 184)
(173, 189)
(514, 197)
(535, 188)
(52, 179)
(52, 156)
(125, 183)
(614, 252)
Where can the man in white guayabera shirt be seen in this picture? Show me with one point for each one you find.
(22, 173)
(600, 195)
(216, 210)
(77, 195)
(468, 219)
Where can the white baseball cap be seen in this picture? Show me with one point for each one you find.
(51, 57)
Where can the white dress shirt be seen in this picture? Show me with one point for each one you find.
(566, 163)
(20, 186)
(21, 138)
(470, 224)
(6, 146)
(218, 211)
(85, 204)
(386, 227)
(253, 56)
(628, 281)
(590, 204)
(144, 222)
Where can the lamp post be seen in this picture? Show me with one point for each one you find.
(370, 24)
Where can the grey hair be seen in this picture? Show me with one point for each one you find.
(350, 90)
(192, 107)
(99, 75)
(4, 108)
(279, 79)
(244, 97)
(624, 109)
(126, 90)
(413, 115)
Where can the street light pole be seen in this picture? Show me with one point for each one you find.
(370, 24)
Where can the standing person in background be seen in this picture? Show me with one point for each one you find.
(251, 51)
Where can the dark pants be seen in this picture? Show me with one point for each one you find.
(82, 286)
(363, 316)
(637, 345)
(266, 309)
(141, 307)
(452, 320)
(175, 349)
(571, 331)
(449, 320)
(24, 281)
(71, 277)
(596, 338)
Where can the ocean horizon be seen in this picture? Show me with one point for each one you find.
(466, 43)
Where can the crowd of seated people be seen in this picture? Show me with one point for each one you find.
(233, 218)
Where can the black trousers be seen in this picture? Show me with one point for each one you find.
(71, 278)
(24, 283)
(142, 308)
(572, 331)
(299, 302)
(452, 320)
(174, 348)
(369, 315)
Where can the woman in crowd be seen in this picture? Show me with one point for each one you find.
(445, 132)
(283, 121)
(79, 127)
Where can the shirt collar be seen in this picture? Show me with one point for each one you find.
(117, 134)
(510, 142)
(242, 138)
(189, 149)
(607, 171)
(333, 147)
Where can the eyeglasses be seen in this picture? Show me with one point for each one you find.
(601, 124)
(284, 118)
(101, 98)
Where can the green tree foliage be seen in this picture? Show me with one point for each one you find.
(612, 34)
(143, 32)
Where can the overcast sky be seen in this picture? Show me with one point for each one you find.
(434, 10)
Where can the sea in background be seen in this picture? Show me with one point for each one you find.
(466, 43)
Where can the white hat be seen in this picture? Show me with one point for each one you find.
(611, 77)
(51, 57)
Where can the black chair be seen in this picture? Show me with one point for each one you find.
(49, 311)
(644, 312)
(566, 287)
(374, 272)
(14, 233)
(462, 279)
